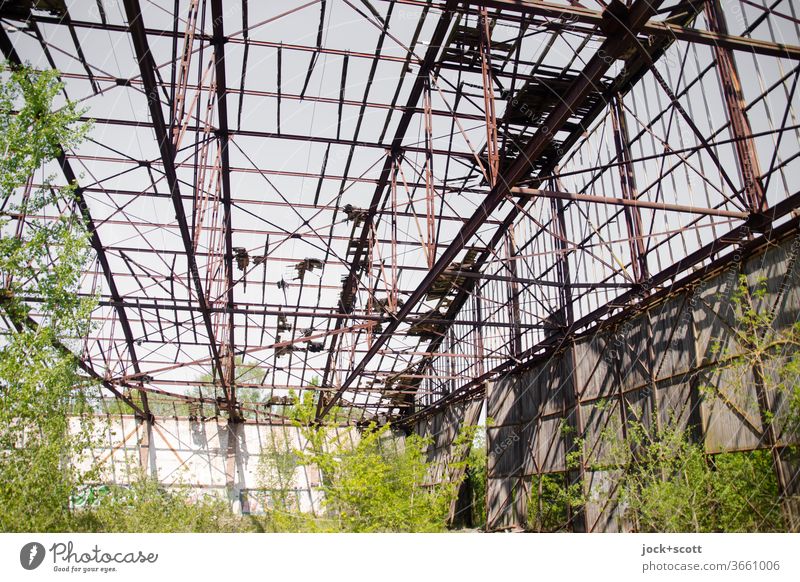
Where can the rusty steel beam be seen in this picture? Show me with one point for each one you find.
(596, 67)
(301, 138)
(576, 13)
(309, 313)
(349, 285)
(552, 13)
(147, 68)
(740, 125)
(225, 177)
(632, 75)
(630, 193)
(587, 324)
(288, 96)
(627, 202)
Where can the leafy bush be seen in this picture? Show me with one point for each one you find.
(378, 484)
(476, 480)
(673, 486)
(146, 507)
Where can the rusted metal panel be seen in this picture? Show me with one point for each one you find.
(731, 419)
(506, 503)
(505, 450)
(603, 426)
(548, 446)
(604, 512)
(595, 366)
(676, 403)
(673, 340)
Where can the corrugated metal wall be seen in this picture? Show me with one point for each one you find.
(661, 359)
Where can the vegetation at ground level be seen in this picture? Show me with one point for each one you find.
(663, 479)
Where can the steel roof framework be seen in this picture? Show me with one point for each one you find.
(391, 203)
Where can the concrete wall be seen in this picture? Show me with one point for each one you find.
(211, 457)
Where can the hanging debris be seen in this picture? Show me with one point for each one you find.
(449, 282)
(242, 258)
(284, 350)
(21, 9)
(279, 401)
(354, 214)
(383, 304)
(283, 324)
(427, 329)
(307, 265)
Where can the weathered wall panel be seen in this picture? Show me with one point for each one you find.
(658, 368)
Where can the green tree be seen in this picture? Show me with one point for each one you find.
(37, 372)
(375, 485)
(375, 482)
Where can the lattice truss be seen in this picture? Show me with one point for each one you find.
(390, 203)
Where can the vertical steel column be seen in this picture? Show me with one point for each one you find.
(228, 341)
(577, 515)
(493, 155)
(147, 68)
(633, 217)
(754, 192)
(371, 283)
(777, 450)
(430, 188)
(479, 348)
(391, 300)
(514, 313)
(633, 220)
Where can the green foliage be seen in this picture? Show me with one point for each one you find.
(664, 480)
(673, 486)
(37, 376)
(146, 507)
(378, 484)
(476, 479)
(38, 130)
(760, 345)
(371, 481)
(553, 497)
(549, 503)
(278, 494)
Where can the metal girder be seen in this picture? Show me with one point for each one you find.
(586, 324)
(225, 176)
(469, 303)
(167, 150)
(307, 138)
(627, 202)
(634, 72)
(558, 12)
(576, 13)
(396, 146)
(581, 87)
